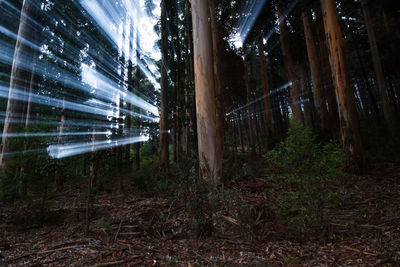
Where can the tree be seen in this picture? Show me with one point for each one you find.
(265, 85)
(210, 166)
(319, 100)
(20, 79)
(164, 135)
(349, 124)
(388, 111)
(290, 69)
(249, 108)
(218, 83)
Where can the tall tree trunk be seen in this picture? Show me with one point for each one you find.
(164, 133)
(219, 86)
(20, 79)
(349, 124)
(390, 20)
(388, 111)
(188, 79)
(319, 99)
(137, 145)
(306, 96)
(250, 109)
(290, 69)
(327, 81)
(210, 166)
(265, 85)
(128, 120)
(371, 93)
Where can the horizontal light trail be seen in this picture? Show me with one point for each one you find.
(63, 151)
(108, 90)
(240, 116)
(59, 74)
(66, 123)
(19, 135)
(21, 95)
(28, 151)
(261, 98)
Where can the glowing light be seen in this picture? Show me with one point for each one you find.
(63, 151)
(106, 89)
(260, 98)
(18, 135)
(251, 10)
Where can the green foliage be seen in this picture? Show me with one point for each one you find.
(202, 199)
(195, 200)
(142, 180)
(307, 172)
(102, 224)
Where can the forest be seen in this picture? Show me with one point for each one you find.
(200, 133)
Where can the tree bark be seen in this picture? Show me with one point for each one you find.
(137, 145)
(388, 110)
(250, 109)
(306, 96)
(188, 79)
(210, 165)
(164, 133)
(265, 85)
(290, 70)
(219, 86)
(319, 99)
(327, 81)
(20, 79)
(349, 124)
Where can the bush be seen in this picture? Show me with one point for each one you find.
(307, 172)
(195, 199)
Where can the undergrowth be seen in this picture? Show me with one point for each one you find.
(304, 174)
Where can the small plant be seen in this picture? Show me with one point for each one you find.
(196, 201)
(307, 172)
(102, 224)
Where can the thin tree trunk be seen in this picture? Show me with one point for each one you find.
(265, 85)
(327, 82)
(128, 121)
(239, 120)
(219, 87)
(249, 108)
(306, 96)
(164, 135)
(290, 70)
(19, 80)
(319, 99)
(187, 79)
(137, 145)
(388, 110)
(371, 95)
(390, 21)
(349, 124)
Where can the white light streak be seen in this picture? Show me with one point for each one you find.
(19, 135)
(63, 151)
(106, 89)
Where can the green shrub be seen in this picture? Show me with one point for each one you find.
(307, 172)
(195, 199)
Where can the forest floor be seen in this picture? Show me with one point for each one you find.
(154, 229)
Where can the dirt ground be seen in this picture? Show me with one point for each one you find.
(136, 229)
